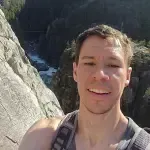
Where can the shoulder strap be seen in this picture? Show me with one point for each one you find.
(65, 132)
(140, 141)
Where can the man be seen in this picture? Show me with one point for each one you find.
(102, 71)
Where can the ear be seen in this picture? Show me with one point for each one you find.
(75, 71)
(129, 70)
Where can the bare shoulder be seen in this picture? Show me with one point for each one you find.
(40, 134)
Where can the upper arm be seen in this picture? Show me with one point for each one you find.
(39, 136)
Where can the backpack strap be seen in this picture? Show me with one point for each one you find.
(65, 132)
(140, 141)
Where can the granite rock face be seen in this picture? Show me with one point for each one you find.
(23, 96)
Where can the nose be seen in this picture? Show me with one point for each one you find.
(101, 74)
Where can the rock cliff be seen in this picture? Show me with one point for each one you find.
(23, 96)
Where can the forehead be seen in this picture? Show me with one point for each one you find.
(97, 46)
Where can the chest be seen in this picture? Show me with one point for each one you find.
(112, 147)
(100, 146)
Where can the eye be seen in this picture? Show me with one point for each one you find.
(113, 66)
(89, 64)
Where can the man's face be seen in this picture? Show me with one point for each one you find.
(101, 74)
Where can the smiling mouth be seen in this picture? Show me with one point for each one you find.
(99, 92)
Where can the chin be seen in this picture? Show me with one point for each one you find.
(100, 111)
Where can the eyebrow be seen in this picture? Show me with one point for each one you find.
(114, 58)
(87, 57)
(91, 57)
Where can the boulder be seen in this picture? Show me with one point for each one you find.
(24, 98)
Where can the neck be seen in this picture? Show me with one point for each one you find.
(96, 128)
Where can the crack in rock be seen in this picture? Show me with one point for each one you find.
(15, 142)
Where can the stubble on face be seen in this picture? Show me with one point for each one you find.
(100, 108)
(99, 112)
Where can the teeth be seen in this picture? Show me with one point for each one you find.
(99, 91)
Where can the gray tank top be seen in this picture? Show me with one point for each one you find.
(123, 144)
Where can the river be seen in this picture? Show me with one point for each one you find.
(46, 72)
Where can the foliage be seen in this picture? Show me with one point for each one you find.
(62, 21)
(63, 84)
(12, 8)
(55, 22)
(141, 62)
(147, 92)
